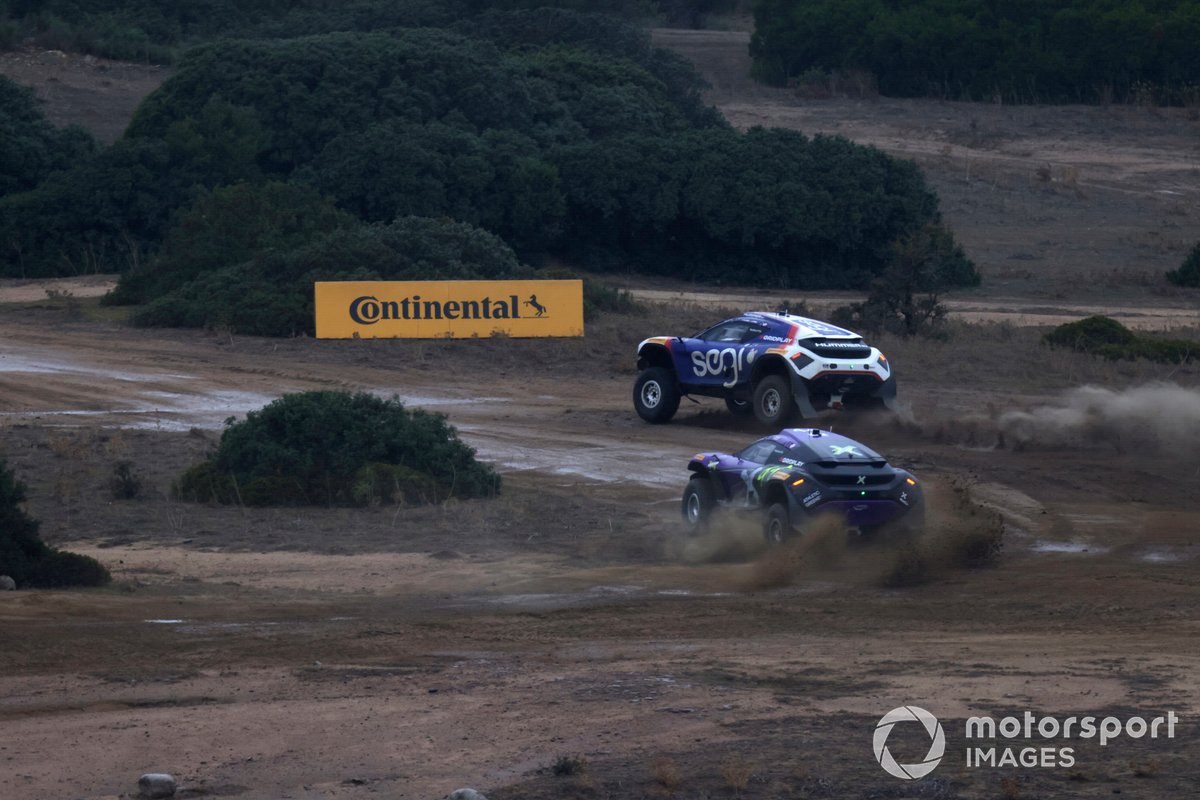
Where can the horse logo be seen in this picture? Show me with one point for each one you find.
(533, 303)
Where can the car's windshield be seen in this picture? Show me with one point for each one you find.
(764, 451)
(734, 331)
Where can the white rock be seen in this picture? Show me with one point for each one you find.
(7, 584)
(465, 794)
(155, 785)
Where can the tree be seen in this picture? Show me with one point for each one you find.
(30, 147)
(1188, 273)
(906, 297)
(229, 226)
(25, 558)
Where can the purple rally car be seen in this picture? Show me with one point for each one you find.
(797, 473)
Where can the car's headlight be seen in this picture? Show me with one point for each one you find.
(883, 362)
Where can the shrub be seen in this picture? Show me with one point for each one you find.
(1162, 351)
(335, 448)
(30, 147)
(228, 226)
(1104, 336)
(905, 298)
(25, 558)
(1188, 273)
(377, 484)
(125, 483)
(272, 294)
(559, 131)
(497, 180)
(599, 298)
(206, 483)
(768, 207)
(1091, 333)
(1048, 51)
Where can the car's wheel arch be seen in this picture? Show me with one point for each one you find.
(656, 355)
(775, 492)
(769, 365)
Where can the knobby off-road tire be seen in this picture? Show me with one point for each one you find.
(699, 499)
(777, 524)
(656, 395)
(773, 401)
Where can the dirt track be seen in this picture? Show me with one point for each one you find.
(402, 653)
(271, 653)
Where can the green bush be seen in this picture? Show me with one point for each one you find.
(1188, 273)
(1045, 51)
(206, 483)
(377, 484)
(272, 294)
(1089, 334)
(336, 448)
(561, 132)
(30, 147)
(229, 226)
(905, 298)
(497, 180)
(1106, 337)
(275, 490)
(768, 207)
(25, 558)
(603, 34)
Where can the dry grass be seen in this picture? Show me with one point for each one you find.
(665, 774)
(737, 773)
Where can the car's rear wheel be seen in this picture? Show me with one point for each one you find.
(656, 395)
(741, 408)
(777, 524)
(699, 499)
(773, 401)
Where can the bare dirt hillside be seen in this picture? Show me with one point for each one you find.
(1054, 202)
(97, 93)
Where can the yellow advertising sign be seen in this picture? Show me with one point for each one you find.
(448, 309)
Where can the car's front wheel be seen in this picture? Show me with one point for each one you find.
(773, 402)
(699, 499)
(656, 395)
(777, 524)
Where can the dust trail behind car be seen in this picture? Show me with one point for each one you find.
(1160, 418)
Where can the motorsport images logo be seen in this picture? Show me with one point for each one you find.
(937, 746)
(1012, 741)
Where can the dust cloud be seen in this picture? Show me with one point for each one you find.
(1162, 418)
(959, 533)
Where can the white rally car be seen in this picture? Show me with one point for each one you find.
(771, 365)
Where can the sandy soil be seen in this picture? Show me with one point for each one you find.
(562, 639)
(266, 653)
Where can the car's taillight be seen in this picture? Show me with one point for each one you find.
(910, 481)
